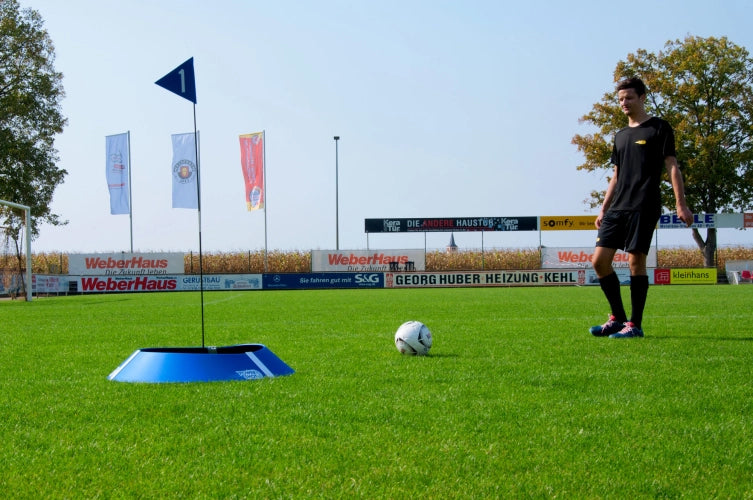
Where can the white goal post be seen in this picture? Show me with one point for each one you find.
(27, 237)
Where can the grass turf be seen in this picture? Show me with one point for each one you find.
(515, 399)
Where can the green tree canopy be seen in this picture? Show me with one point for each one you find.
(704, 88)
(30, 117)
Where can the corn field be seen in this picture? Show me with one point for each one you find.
(252, 262)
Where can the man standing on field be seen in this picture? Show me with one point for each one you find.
(632, 206)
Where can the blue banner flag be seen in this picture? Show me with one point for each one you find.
(180, 81)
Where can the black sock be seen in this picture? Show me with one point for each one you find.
(610, 285)
(638, 294)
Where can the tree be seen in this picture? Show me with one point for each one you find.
(30, 117)
(704, 88)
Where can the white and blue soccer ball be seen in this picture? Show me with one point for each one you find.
(413, 338)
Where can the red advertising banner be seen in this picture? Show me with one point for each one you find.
(252, 164)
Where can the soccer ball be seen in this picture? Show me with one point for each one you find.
(414, 338)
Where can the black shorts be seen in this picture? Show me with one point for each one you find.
(627, 230)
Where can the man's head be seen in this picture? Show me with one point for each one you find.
(634, 83)
(631, 93)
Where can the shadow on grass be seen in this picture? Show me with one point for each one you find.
(109, 301)
(697, 337)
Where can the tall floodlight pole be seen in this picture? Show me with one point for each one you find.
(337, 198)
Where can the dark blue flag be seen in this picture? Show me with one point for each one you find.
(181, 81)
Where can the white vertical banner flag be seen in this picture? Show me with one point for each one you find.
(117, 173)
(185, 186)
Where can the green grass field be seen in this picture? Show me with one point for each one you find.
(516, 399)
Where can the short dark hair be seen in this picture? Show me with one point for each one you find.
(634, 83)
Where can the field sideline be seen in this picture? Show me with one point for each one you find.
(516, 399)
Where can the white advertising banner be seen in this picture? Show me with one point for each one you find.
(623, 273)
(574, 257)
(171, 283)
(126, 264)
(117, 148)
(367, 260)
(488, 278)
(561, 277)
(185, 172)
(730, 220)
(221, 282)
(49, 283)
(672, 221)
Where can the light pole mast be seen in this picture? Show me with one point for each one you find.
(337, 198)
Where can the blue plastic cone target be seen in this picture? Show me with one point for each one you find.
(200, 364)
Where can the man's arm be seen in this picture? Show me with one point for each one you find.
(607, 198)
(675, 176)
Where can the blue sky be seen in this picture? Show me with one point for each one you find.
(444, 109)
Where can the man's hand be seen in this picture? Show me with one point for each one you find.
(684, 214)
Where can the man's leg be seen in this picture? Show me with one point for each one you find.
(610, 283)
(638, 286)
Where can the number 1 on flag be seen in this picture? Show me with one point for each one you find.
(181, 81)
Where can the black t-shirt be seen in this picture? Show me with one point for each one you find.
(638, 153)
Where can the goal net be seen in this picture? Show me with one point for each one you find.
(12, 280)
(12, 283)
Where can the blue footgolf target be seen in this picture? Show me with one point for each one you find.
(200, 364)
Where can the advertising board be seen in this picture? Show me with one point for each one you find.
(489, 278)
(570, 257)
(322, 280)
(323, 261)
(170, 283)
(458, 224)
(568, 223)
(126, 264)
(49, 283)
(700, 276)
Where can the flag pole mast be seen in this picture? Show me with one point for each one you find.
(130, 194)
(264, 175)
(198, 206)
(181, 81)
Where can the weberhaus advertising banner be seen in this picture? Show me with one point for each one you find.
(570, 257)
(168, 283)
(126, 264)
(366, 260)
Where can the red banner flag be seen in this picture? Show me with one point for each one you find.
(252, 163)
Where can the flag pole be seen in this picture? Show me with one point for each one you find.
(130, 195)
(264, 175)
(182, 81)
(198, 206)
